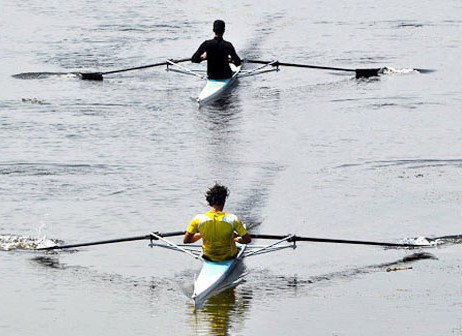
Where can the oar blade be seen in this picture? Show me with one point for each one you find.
(96, 76)
(425, 70)
(374, 72)
(366, 73)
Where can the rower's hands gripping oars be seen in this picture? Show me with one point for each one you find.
(99, 75)
(359, 73)
(336, 241)
(112, 241)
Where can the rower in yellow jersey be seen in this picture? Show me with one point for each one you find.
(219, 230)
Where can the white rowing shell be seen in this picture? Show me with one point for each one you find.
(215, 87)
(213, 276)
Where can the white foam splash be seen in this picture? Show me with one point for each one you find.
(45, 243)
(388, 71)
(15, 242)
(419, 241)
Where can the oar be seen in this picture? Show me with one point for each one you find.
(359, 72)
(112, 241)
(327, 240)
(99, 75)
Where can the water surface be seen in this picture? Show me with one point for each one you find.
(312, 152)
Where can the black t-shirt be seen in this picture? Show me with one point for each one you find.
(218, 51)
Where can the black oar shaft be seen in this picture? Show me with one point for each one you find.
(344, 241)
(327, 240)
(145, 66)
(359, 72)
(109, 241)
(134, 68)
(99, 75)
(112, 241)
(277, 63)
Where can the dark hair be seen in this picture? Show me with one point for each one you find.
(217, 195)
(219, 27)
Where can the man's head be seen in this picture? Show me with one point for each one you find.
(219, 27)
(217, 195)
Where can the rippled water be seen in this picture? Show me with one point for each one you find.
(305, 151)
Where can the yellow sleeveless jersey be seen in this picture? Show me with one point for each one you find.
(217, 230)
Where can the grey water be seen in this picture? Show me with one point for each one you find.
(312, 152)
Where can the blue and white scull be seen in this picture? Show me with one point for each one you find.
(215, 277)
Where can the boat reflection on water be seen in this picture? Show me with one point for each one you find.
(225, 309)
(222, 313)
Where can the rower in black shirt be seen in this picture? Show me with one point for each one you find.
(218, 53)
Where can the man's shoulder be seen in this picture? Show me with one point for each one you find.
(229, 217)
(228, 43)
(201, 217)
(210, 41)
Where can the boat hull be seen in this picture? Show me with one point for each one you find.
(214, 88)
(215, 277)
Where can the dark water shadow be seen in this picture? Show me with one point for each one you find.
(446, 240)
(53, 169)
(277, 285)
(408, 163)
(69, 276)
(224, 312)
(49, 262)
(265, 29)
(252, 205)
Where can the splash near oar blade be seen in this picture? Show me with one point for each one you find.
(16, 242)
